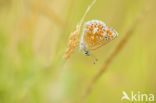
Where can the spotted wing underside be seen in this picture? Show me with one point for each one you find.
(97, 34)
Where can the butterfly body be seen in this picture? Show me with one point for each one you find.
(94, 35)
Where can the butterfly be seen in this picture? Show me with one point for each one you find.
(94, 35)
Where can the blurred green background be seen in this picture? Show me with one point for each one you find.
(33, 39)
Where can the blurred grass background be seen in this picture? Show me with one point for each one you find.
(33, 38)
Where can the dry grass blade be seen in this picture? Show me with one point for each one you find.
(73, 38)
(117, 49)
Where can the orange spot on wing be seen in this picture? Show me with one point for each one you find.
(102, 31)
(99, 26)
(112, 36)
(108, 31)
(91, 26)
(90, 29)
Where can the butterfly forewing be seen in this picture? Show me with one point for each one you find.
(97, 34)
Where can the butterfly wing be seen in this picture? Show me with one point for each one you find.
(97, 34)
